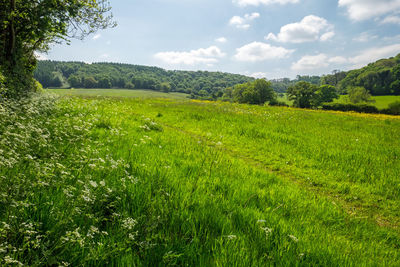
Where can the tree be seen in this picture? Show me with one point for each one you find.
(30, 26)
(89, 82)
(75, 81)
(104, 82)
(359, 94)
(324, 94)
(302, 94)
(257, 92)
(165, 87)
(395, 87)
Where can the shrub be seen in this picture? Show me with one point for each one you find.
(277, 103)
(363, 108)
(359, 95)
(3, 89)
(393, 109)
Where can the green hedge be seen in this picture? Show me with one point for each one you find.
(393, 109)
(363, 108)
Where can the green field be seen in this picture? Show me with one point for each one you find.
(380, 102)
(118, 93)
(139, 181)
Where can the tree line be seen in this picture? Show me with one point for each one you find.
(379, 78)
(200, 84)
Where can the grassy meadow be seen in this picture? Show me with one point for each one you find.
(141, 93)
(381, 102)
(94, 180)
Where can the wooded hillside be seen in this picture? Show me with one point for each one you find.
(114, 75)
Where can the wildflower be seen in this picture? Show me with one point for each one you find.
(295, 239)
(11, 261)
(93, 183)
(128, 223)
(266, 230)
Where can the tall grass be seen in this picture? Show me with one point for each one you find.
(124, 182)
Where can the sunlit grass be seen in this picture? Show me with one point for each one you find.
(381, 102)
(141, 93)
(155, 182)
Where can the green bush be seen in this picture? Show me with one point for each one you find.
(393, 109)
(363, 108)
(3, 88)
(277, 103)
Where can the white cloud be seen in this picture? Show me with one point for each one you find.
(338, 60)
(374, 54)
(326, 36)
(257, 51)
(263, 2)
(259, 75)
(96, 36)
(359, 10)
(391, 20)
(364, 37)
(221, 40)
(243, 22)
(200, 56)
(310, 28)
(321, 61)
(311, 63)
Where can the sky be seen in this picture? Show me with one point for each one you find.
(259, 38)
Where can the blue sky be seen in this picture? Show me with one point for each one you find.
(261, 38)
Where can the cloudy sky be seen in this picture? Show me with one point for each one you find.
(261, 38)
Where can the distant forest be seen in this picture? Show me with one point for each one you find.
(379, 78)
(200, 84)
(114, 75)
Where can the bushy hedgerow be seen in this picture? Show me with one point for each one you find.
(393, 109)
(363, 108)
(277, 103)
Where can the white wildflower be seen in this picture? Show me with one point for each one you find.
(93, 183)
(295, 239)
(231, 237)
(128, 223)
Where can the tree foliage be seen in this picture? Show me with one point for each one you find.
(324, 94)
(307, 95)
(358, 95)
(257, 92)
(379, 78)
(200, 84)
(281, 85)
(30, 26)
(302, 94)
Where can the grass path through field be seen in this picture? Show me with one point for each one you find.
(359, 210)
(356, 198)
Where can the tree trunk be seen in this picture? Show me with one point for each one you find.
(10, 50)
